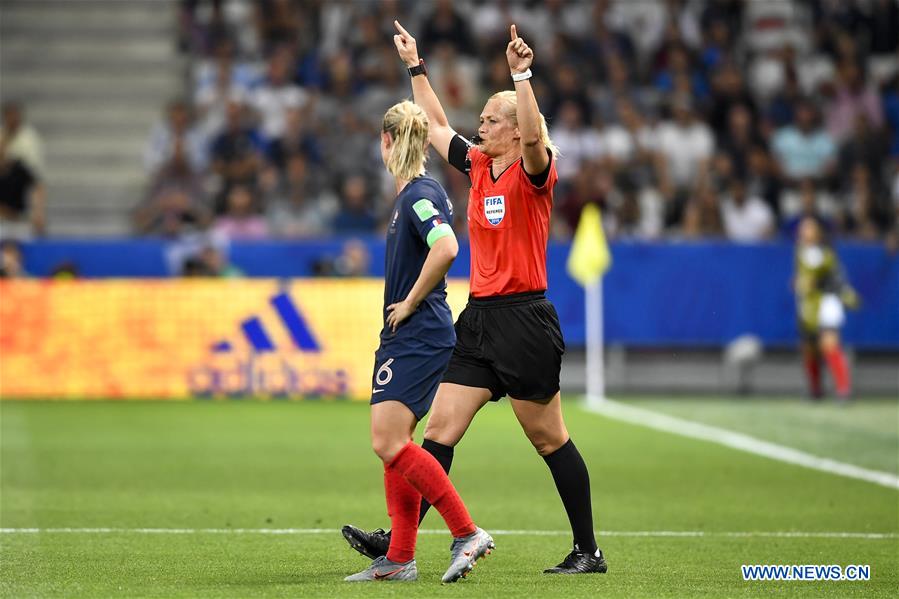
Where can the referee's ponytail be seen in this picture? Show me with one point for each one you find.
(407, 125)
(509, 98)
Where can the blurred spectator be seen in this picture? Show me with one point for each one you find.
(810, 204)
(892, 241)
(619, 87)
(605, 42)
(177, 175)
(355, 214)
(350, 145)
(635, 213)
(298, 205)
(679, 76)
(591, 185)
(170, 213)
(454, 78)
(218, 263)
(217, 84)
(576, 141)
(21, 139)
(686, 143)
(236, 154)
(852, 98)
(278, 22)
(739, 137)
(685, 148)
(297, 139)
(11, 263)
(241, 220)
(761, 178)
(891, 111)
(863, 217)
(567, 86)
(884, 27)
(630, 144)
(23, 198)
(569, 20)
(702, 216)
(353, 261)
(390, 81)
(746, 218)
(277, 94)
(781, 108)
(210, 262)
(202, 35)
(728, 92)
(804, 150)
(772, 25)
(769, 71)
(490, 20)
(175, 130)
(445, 25)
(645, 22)
(365, 41)
(866, 147)
(717, 34)
(195, 267)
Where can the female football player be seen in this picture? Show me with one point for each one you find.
(821, 292)
(416, 343)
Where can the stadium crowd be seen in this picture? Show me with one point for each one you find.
(682, 119)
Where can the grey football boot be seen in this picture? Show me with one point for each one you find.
(465, 551)
(384, 569)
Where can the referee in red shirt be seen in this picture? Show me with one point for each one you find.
(509, 341)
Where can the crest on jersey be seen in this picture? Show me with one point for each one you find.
(495, 209)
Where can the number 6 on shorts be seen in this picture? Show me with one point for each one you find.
(384, 374)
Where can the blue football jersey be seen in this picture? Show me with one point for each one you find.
(421, 215)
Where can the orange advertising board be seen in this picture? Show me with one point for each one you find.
(178, 339)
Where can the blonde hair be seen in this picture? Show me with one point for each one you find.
(509, 98)
(407, 125)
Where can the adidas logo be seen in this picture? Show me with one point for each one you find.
(261, 341)
(264, 369)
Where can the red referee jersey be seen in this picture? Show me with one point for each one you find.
(508, 225)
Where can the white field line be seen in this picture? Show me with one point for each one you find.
(514, 532)
(740, 441)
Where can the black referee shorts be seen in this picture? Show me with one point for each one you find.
(509, 344)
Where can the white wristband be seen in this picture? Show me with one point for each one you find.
(516, 77)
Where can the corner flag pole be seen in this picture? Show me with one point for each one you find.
(596, 388)
(588, 260)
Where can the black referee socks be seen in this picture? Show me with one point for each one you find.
(573, 483)
(444, 455)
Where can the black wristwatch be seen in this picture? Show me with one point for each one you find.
(418, 69)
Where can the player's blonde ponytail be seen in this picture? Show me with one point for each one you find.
(510, 101)
(407, 125)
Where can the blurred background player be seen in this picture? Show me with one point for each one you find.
(821, 291)
(509, 341)
(22, 192)
(416, 344)
(11, 266)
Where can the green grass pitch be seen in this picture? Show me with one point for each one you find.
(308, 465)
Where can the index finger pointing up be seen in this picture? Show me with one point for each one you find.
(400, 28)
(514, 32)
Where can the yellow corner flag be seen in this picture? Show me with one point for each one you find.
(589, 258)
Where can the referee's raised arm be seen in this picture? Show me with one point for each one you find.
(533, 149)
(440, 131)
